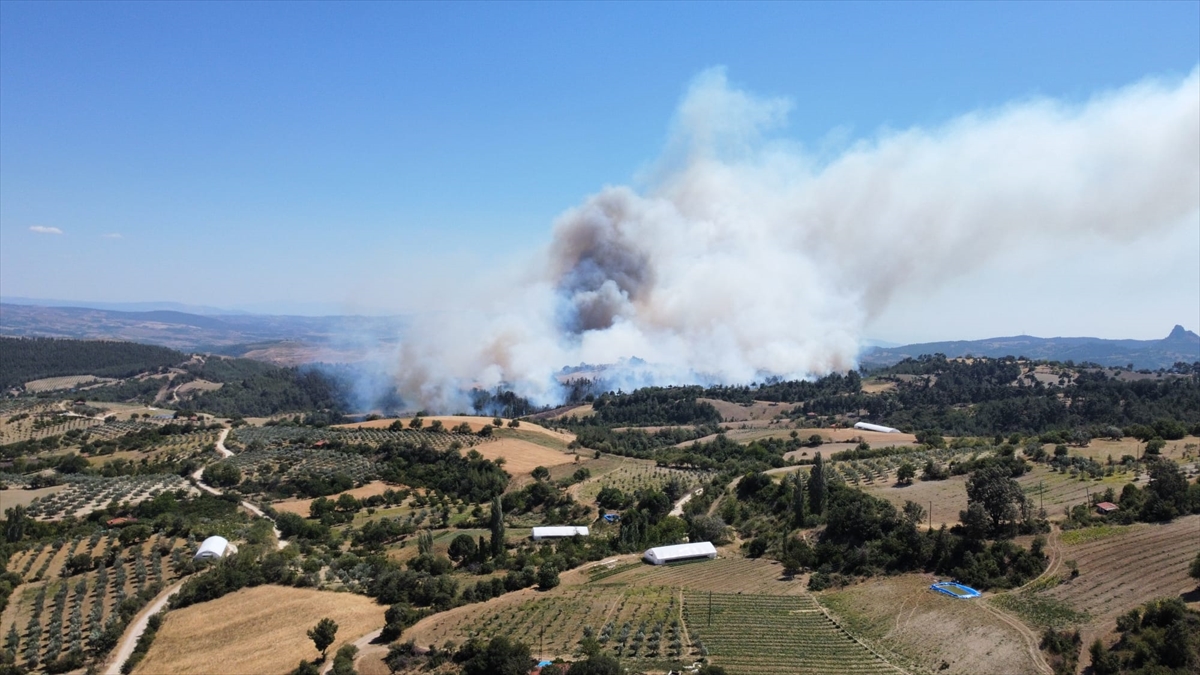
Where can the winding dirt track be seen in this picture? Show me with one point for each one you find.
(134, 631)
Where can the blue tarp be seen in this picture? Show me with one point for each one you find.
(956, 590)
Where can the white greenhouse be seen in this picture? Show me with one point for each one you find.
(558, 532)
(660, 555)
(867, 426)
(214, 548)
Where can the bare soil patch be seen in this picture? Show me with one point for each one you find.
(902, 616)
(256, 630)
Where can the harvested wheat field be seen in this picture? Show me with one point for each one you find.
(916, 627)
(258, 630)
(300, 507)
(522, 456)
(451, 421)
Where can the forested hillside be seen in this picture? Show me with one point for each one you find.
(26, 359)
(253, 389)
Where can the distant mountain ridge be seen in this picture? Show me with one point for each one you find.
(1180, 345)
(280, 339)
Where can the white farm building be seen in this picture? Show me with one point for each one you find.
(558, 532)
(214, 548)
(660, 555)
(867, 426)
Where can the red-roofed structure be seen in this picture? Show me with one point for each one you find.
(1106, 507)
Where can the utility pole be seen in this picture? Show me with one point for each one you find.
(931, 515)
(710, 608)
(542, 642)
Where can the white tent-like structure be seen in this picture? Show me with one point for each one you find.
(660, 555)
(867, 426)
(559, 532)
(214, 548)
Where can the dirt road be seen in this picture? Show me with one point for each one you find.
(135, 629)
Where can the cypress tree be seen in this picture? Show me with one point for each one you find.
(799, 505)
(497, 527)
(817, 481)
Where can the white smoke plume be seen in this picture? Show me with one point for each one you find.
(747, 256)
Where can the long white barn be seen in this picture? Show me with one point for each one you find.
(558, 532)
(867, 426)
(660, 555)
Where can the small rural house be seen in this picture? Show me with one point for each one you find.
(558, 532)
(1105, 508)
(214, 548)
(867, 426)
(660, 555)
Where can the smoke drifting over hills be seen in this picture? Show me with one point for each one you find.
(748, 256)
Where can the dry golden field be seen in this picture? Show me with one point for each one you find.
(259, 630)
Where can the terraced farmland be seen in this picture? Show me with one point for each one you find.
(774, 634)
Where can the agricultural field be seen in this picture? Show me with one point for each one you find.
(261, 629)
(772, 634)
(1123, 567)
(641, 624)
(288, 435)
(632, 475)
(289, 462)
(521, 456)
(55, 612)
(924, 631)
(85, 494)
(1101, 449)
(44, 426)
(68, 382)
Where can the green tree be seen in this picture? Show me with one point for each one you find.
(547, 576)
(462, 548)
(799, 501)
(598, 664)
(500, 656)
(416, 423)
(15, 523)
(906, 473)
(306, 668)
(540, 473)
(323, 634)
(343, 661)
(1194, 572)
(817, 485)
(12, 642)
(497, 528)
(222, 474)
(1000, 496)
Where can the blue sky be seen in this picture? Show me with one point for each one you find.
(359, 157)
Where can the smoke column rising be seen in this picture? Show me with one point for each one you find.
(747, 256)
